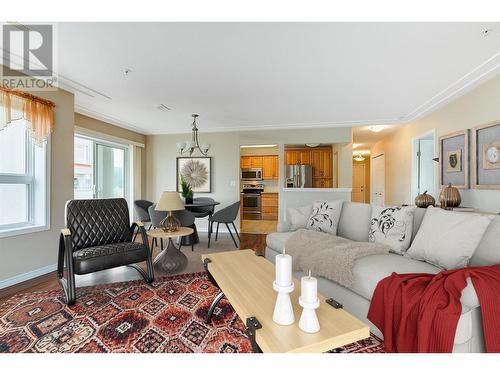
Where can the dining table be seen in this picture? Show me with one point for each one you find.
(197, 204)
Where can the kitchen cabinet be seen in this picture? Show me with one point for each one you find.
(270, 167)
(322, 183)
(321, 161)
(251, 162)
(269, 207)
(297, 157)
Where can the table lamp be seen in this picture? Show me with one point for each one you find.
(170, 201)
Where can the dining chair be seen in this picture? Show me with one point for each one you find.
(226, 216)
(187, 218)
(141, 211)
(156, 218)
(201, 212)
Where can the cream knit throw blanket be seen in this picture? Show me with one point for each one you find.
(329, 256)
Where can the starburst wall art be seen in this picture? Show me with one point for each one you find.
(196, 172)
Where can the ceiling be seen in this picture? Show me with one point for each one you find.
(246, 76)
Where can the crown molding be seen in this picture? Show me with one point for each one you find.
(460, 87)
(109, 119)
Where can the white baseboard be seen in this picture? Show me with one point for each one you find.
(27, 276)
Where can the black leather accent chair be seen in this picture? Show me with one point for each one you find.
(226, 216)
(98, 236)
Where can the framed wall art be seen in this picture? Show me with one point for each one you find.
(196, 171)
(486, 156)
(454, 159)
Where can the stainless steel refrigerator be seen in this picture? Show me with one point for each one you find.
(298, 176)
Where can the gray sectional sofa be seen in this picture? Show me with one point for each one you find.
(354, 224)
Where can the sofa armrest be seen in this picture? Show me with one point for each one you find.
(284, 226)
(469, 297)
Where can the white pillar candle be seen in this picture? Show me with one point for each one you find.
(309, 288)
(283, 269)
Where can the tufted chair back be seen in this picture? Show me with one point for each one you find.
(95, 222)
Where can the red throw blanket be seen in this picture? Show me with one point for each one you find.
(419, 312)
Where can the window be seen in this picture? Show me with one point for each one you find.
(23, 181)
(101, 169)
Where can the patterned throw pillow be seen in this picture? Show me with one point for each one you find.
(325, 216)
(392, 226)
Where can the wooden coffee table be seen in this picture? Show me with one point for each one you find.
(246, 280)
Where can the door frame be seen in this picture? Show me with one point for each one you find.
(414, 175)
(364, 180)
(372, 189)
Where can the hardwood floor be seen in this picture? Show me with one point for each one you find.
(257, 242)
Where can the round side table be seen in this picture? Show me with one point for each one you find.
(170, 259)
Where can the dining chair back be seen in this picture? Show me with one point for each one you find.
(226, 216)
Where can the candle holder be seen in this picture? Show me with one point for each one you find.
(308, 320)
(283, 311)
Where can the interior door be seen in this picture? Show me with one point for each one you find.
(426, 166)
(378, 180)
(358, 183)
(110, 171)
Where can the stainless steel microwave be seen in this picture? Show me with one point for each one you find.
(251, 174)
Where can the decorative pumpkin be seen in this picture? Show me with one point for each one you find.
(424, 200)
(450, 197)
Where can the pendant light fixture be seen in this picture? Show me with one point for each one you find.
(193, 144)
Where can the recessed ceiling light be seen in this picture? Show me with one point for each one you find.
(163, 107)
(377, 128)
(312, 144)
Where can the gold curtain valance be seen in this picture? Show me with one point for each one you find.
(38, 112)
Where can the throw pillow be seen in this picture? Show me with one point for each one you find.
(392, 226)
(448, 239)
(298, 217)
(325, 216)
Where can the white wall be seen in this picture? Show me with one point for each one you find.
(479, 106)
(225, 151)
(36, 253)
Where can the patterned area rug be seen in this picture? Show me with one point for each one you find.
(166, 316)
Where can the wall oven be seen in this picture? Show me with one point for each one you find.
(251, 174)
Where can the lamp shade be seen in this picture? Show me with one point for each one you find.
(170, 201)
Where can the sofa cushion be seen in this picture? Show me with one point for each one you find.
(368, 271)
(488, 251)
(447, 238)
(325, 216)
(354, 222)
(392, 226)
(97, 258)
(276, 241)
(298, 216)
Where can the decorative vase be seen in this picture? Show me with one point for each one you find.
(189, 200)
(450, 197)
(424, 200)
